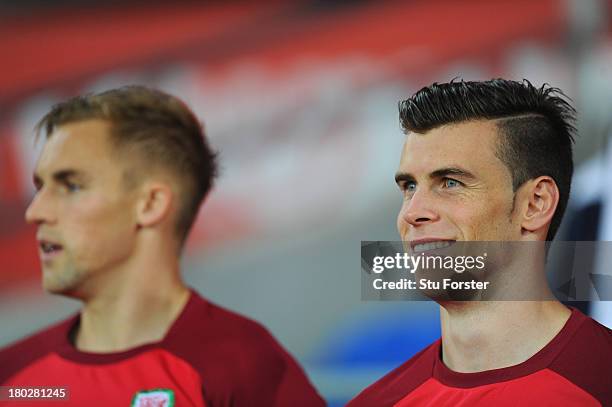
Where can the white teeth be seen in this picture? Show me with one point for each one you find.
(431, 246)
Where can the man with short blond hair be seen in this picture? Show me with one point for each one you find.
(118, 186)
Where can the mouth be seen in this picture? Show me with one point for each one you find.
(425, 245)
(49, 249)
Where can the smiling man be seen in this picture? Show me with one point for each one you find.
(492, 161)
(118, 186)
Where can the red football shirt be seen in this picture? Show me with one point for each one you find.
(574, 369)
(209, 357)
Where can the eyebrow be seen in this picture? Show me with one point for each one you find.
(439, 173)
(58, 176)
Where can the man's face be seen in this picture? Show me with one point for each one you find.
(84, 214)
(454, 186)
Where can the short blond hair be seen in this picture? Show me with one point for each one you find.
(160, 128)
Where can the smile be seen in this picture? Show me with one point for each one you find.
(426, 246)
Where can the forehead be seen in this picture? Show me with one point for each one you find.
(468, 145)
(83, 145)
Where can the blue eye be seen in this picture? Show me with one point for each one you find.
(410, 186)
(451, 183)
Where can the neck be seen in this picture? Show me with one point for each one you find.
(479, 336)
(132, 306)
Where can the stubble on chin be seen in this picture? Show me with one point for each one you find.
(61, 279)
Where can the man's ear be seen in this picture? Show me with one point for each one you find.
(154, 203)
(541, 197)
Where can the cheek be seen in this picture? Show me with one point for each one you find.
(99, 231)
(492, 220)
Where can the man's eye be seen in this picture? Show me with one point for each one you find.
(72, 187)
(451, 183)
(407, 186)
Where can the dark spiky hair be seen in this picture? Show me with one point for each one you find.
(536, 126)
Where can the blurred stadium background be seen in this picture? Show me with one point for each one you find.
(300, 98)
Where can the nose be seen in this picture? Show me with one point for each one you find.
(419, 210)
(39, 210)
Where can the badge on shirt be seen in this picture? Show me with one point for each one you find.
(154, 398)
